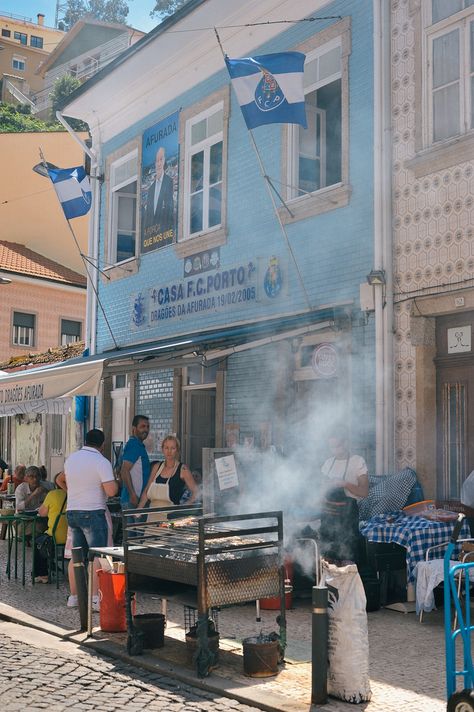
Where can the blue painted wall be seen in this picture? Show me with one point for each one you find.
(334, 250)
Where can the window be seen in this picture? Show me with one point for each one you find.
(6, 33)
(315, 153)
(23, 329)
(204, 171)
(22, 37)
(70, 331)
(450, 69)
(36, 41)
(315, 160)
(19, 64)
(123, 208)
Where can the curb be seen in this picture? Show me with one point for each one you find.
(268, 701)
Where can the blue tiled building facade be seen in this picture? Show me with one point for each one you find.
(268, 294)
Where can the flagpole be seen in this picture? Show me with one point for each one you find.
(91, 281)
(272, 198)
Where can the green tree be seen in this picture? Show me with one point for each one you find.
(62, 88)
(167, 7)
(105, 10)
(18, 119)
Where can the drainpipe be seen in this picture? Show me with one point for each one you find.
(378, 237)
(91, 304)
(388, 326)
(93, 244)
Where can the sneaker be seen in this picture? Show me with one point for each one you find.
(41, 579)
(95, 603)
(72, 601)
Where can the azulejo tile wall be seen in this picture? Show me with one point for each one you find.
(433, 219)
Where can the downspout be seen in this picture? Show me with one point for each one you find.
(92, 249)
(91, 299)
(378, 238)
(389, 405)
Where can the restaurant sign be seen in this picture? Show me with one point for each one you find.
(237, 286)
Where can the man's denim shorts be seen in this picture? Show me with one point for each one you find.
(89, 528)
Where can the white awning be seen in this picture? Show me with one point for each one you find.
(49, 389)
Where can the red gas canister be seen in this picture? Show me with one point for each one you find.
(273, 603)
(112, 601)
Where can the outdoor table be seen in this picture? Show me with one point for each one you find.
(16, 529)
(415, 534)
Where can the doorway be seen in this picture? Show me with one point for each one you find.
(454, 403)
(199, 424)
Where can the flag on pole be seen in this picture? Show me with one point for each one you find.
(73, 189)
(269, 88)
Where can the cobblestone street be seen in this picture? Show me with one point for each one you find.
(41, 672)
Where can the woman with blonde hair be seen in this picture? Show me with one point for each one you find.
(168, 480)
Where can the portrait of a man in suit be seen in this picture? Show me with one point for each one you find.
(158, 211)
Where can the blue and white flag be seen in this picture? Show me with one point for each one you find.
(73, 189)
(269, 88)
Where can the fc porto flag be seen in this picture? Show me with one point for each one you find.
(270, 88)
(73, 189)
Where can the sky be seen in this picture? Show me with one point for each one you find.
(138, 16)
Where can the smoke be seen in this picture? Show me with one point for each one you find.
(287, 475)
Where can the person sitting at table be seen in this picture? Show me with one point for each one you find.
(51, 508)
(345, 482)
(44, 479)
(29, 495)
(168, 480)
(17, 478)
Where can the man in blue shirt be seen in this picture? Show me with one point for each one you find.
(135, 469)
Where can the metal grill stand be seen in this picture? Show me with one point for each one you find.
(212, 562)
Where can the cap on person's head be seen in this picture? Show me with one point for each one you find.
(95, 437)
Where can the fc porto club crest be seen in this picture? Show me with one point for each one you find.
(268, 94)
(138, 313)
(273, 280)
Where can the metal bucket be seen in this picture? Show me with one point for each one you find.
(152, 625)
(261, 656)
(191, 645)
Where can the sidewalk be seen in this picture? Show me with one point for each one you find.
(406, 658)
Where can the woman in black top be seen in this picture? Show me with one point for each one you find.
(168, 480)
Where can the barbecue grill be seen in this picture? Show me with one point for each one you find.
(206, 561)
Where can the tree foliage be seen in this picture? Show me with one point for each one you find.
(167, 7)
(105, 10)
(18, 119)
(62, 88)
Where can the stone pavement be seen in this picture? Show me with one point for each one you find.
(40, 672)
(407, 667)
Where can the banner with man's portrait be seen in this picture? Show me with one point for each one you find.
(159, 184)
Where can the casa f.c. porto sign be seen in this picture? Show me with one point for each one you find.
(236, 287)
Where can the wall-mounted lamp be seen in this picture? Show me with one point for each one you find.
(376, 277)
(5, 280)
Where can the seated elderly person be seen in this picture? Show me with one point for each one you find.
(29, 495)
(52, 507)
(17, 479)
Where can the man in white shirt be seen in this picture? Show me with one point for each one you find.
(90, 480)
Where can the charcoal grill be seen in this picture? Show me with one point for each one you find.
(212, 561)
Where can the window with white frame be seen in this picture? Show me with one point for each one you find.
(23, 329)
(123, 208)
(450, 68)
(315, 153)
(204, 171)
(18, 63)
(70, 331)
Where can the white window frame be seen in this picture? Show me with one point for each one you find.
(460, 20)
(292, 189)
(63, 336)
(113, 203)
(19, 60)
(190, 150)
(24, 335)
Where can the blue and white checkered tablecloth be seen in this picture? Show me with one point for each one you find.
(416, 534)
